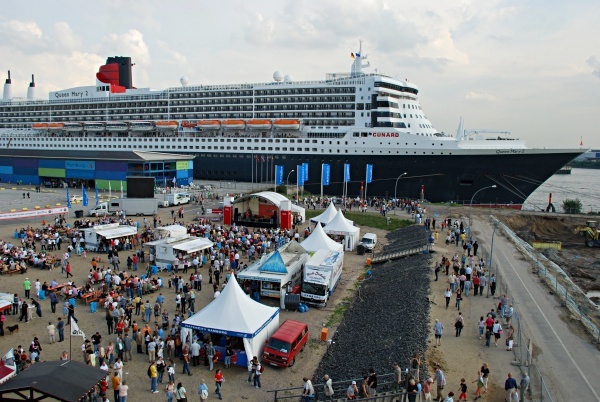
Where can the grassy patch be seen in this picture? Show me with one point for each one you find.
(369, 219)
(338, 313)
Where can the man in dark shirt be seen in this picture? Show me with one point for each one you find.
(96, 339)
(372, 383)
(510, 386)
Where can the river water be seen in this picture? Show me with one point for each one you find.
(583, 184)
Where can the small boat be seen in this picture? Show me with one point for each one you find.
(74, 127)
(141, 126)
(259, 124)
(189, 124)
(40, 126)
(287, 124)
(167, 125)
(233, 124)
(56, 126)
(209, 124)
(117, 126)
(93, 126)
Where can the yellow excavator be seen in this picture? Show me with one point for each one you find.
(590, 231)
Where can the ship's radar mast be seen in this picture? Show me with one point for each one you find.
(358, 64)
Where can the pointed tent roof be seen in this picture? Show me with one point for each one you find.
(318, 240)
(326, 216)
(340, 225)
(233, 313)
(274, 264)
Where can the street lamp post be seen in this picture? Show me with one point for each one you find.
(491, 259)
(395, 187)
(471, 206)
(287, 180)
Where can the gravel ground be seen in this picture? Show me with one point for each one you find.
(388, 320)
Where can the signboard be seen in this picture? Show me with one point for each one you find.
(278, 175)
(369, 173)
(346, 172)
(182, 165)
(80, 165)
(305, 171)
(34, 213)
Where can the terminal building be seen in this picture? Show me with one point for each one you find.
(99, 170)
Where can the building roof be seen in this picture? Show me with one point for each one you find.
(127, 156)
(63, 380)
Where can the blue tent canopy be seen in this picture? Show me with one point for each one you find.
(274, 264)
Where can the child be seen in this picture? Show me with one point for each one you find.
(450, 397)
(480, 385)
(65, 309)
(463, 390)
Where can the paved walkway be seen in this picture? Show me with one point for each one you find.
(569, 361)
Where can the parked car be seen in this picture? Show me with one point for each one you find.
(76, 199)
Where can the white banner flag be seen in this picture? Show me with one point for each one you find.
(75, 331)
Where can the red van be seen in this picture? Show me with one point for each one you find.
(285, 344)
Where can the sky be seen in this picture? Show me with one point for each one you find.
(528, 67)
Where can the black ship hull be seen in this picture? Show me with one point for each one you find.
(454, 178)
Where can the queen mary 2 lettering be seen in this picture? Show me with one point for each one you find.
(241, 132)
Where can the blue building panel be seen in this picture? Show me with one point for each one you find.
(27, 171)
(182, 174)
(25, 162)
(52, 163)
(6, 178)
(105, 166)
(191, 174)
(26, 179)
(191, 164)
(6, 170)
(108, 175)
(80, 174)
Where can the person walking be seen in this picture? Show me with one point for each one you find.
(458, 298)
(51, 332)
(170, 391)
(480, 388)
(397, 384)
(60, 326)
(372, 383)
(123, 391)
(448, 295)
(53, 301)
(427, 397)
(186, 363)
(27, 287)
(440, 382)
(459, 323)
(438, 329)
(415, 364)
(308, 391)
(257, 374)
(219, 382)
(203, 390)
(485, 375)
(510, 387)
(328, 387)
(180, 392)
(71, 314)
(68, 270)
(116, 383)
(210, 353)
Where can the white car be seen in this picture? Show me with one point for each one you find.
(76, 199)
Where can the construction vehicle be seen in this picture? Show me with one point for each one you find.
(590, 231)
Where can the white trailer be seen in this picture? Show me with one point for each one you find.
(131, 206)
(97, 237)
(322, 273)
(277, 272)
(175, 199)
(171, 249)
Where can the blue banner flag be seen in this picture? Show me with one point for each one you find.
(278, 175)
(305, 167)
(300, 175)
(97, 195)
(369, 173)
(346, 172)
(84, 196)
(325, 180)
(68, 199)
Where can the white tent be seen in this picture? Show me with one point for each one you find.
(326, 216)
(235, 314)
(343, 227)
(318, 240)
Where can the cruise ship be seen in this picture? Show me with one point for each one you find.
(240, 132)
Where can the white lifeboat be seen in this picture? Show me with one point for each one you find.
(74, 127)
(208, 124)
(287, 124)
(93, 126)
(117, 126)
(167, 125)
(141, 126)
(233, 124)
(189, 124)
(259, 124)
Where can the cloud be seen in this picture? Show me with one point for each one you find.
(21, 34)
(64, 37)
(594, 63)
(480, 97)
(130, 43)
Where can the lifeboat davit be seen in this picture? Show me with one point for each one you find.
(234, 124)
(117, 126)
(287, 124)
(189, 124)
(93, 126)
(74, 127)
(141, 126)
(209, 124)
(167, 125)
(56, 126)
(259, 124)
(40, 126)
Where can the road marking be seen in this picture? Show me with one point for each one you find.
(551, 327)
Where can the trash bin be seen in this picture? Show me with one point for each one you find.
(360, 249)
(79, 213)
(292, 301)
(93, 307)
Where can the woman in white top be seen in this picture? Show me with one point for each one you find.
(497, 330)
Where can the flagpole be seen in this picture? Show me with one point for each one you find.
(70, 338)
(297, 181)
(322, 167)
(366, 183)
